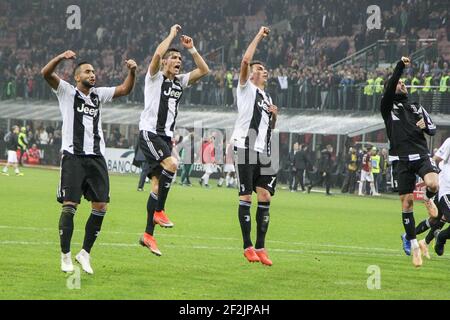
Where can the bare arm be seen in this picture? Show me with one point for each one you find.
(125, 88)
(48, 72)
(161, 50)
(248, 56)
(202, 68)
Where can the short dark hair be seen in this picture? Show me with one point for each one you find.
(169, 51)
(255, 62)
(79, 66)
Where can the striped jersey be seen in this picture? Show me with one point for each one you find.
(252, 129)
(162, 97)
(82, 132)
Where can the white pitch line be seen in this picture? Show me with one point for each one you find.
(218, 238)
(197, 247)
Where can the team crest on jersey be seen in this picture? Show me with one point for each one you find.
(94, 99)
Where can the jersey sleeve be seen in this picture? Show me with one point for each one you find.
(64, 94)
(388, 98)
(106, 94)
(63, 89)
(149, 80)
(444, 151)
(245, 85)
(184, 79)
(246, 95)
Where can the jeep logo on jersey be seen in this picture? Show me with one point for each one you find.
(263, 105)
(173, 93)
(88, 110)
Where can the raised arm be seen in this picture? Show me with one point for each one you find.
(389, 93)
(161, 50)
(202, 68)
(48, 72)
(248, 56)
(125, 88)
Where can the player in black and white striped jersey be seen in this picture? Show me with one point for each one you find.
(257, 116)
(164, 87)
(83, 167)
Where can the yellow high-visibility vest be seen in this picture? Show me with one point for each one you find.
(427, 84)
(414, 83)
(368, 89)
(376, 164)
(379, 85)
(229, 79)
(443, 87)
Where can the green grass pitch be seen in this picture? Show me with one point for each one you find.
(321, 247)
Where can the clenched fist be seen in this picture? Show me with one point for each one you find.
(406, 61)
(187, 42)
(69, 54)
(131, 64)
(264, 32)
(175, 29)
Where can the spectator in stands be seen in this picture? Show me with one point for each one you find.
(33, 155)
(43, 136)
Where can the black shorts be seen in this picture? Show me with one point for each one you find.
(155, 149)
(408, 170)
(254, 170)
(83, 176)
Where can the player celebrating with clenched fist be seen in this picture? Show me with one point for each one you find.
(83, 166)
(164, 85)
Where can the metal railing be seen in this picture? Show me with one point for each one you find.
(299, 95)
(389, 51)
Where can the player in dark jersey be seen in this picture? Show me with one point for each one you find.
(406, 126)
(252, 141)
(83, 167)
(164, 87)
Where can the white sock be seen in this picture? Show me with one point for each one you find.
(220, 181)
(361, 183)
(227, 180)
(5, 169)
(17, 170)
(414, 244)
(206, 178)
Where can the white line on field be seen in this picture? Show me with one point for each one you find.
(217, 238)
(128, 245)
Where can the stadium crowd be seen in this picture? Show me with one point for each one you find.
(298, 53)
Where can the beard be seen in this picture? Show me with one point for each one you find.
(87, 84)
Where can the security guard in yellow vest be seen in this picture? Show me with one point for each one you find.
(23, 143)
(414, 83)
(376, 159)
(368, 89)
(379, 85)
(427, 83)
(444, 84)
